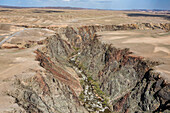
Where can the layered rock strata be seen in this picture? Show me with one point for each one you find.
(118, 80)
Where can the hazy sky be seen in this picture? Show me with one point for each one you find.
(100, 4)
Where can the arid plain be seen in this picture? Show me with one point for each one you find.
(32, 26)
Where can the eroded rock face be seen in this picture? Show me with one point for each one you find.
(127, 81)
(145, 95)
(46, 94)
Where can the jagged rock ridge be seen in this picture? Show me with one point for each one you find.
(128, 81)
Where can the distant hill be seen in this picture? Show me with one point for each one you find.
(147, 10)
(17, 7)
(78, 8)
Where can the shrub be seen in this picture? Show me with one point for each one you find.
(81, 97)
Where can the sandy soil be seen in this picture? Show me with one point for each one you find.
(48, 17)
(18, 63)
(14, 63)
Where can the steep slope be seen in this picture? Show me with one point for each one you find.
(111, 79)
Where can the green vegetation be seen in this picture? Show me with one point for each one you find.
(81, 97)
(98, 91)
(105, 102)
(76, 50)
(82, 82)
(72, 54)
(96, 86)
(81, 66)
(89, 78)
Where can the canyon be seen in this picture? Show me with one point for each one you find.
(78, 68)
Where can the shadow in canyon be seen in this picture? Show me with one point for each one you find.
(5, 10)
(47, 11)
(148, 15)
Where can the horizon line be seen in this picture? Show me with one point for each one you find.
(15, 6)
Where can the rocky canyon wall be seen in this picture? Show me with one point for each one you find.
(83, 75)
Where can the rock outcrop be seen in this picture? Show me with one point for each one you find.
(9, 46)
(115, 79)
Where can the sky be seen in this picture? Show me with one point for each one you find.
(98, 4)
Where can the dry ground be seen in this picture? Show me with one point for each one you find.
(13, 62)
(18, 63)
(47, 17)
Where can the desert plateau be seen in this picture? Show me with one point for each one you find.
(84, 61)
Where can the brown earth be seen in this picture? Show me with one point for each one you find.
(20, 63)
(59, 17)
